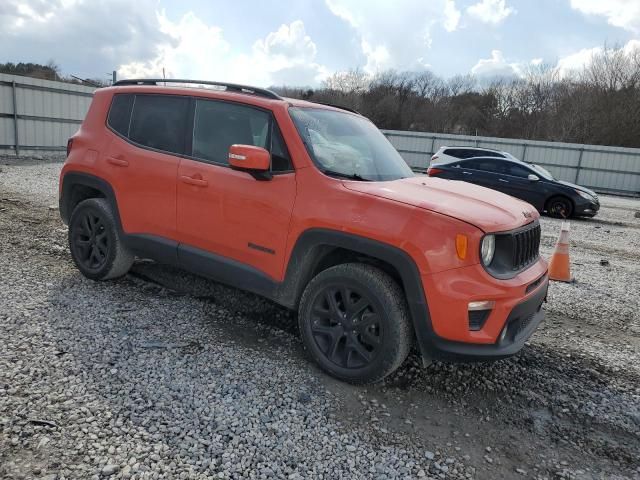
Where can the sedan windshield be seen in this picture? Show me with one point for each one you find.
(348, 146)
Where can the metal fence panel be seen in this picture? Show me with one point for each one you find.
(44, 113)
(606, 169)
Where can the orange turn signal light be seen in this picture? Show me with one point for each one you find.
(461, 246)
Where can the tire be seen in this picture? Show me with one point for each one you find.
(363, 340)
(95, 245)
(559, 207)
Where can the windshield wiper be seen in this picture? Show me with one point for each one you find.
(350, 176)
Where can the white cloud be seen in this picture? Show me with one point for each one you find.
(576, 61)
(490, 11)
(573, 63)
(289, 41)
(451, 16)
(393, 34)
(86, 38)
(201, 51)
(619, 13)
(496, 66)
(90, 39)
(567, 66)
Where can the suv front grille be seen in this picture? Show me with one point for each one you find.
(525, 247)
(515, 251)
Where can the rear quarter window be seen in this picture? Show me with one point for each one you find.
(120, 113)
(454, 152)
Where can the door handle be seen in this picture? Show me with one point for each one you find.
(197, 181)
(503, 180)
(119, 162)
(467, 173)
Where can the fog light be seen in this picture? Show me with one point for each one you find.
(478, 313)
(482, 305)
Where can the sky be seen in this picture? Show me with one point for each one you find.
(301, 42)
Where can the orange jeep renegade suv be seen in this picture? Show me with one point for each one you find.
(310, 206)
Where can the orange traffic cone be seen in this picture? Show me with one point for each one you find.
(559, 268)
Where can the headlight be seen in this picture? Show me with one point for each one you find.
(487, 249)
(585, 195)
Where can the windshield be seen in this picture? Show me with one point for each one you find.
(542, 171)
(348, 146)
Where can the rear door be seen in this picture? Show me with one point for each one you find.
(482, 171)
(228, 215)
(142, 158)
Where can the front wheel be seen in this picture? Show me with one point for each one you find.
(559, 207)
(96, 247)
(354, 322)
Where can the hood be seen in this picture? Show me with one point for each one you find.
(578, 187)
(487, 209)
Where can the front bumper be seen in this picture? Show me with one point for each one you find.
(446, 334)
(586, 208)
(518, 327)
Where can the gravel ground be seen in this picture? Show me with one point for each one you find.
(162, 374)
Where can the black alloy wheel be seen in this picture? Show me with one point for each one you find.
(90, 240)
(95, 243)
(355, 323)
(346, 327)
(559, 207)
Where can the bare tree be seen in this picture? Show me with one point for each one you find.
(599, 105)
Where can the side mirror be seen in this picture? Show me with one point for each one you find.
(251, 159)
(533, 178)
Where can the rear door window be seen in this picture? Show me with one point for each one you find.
(469, 153)
(485, 153)
(484, 165)
(160, 122)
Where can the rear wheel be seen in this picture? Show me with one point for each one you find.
(96, 247)
(559, 207)
(354, 322)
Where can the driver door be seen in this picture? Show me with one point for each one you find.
(519, 185)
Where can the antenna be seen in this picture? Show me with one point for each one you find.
(89, 82)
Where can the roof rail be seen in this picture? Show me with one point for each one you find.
(340, 107)
(262, 92)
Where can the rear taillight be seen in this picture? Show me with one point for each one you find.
(432, 172)
(69, 146)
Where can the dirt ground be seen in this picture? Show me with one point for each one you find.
(568, 406)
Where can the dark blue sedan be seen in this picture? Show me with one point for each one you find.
(526, 181)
